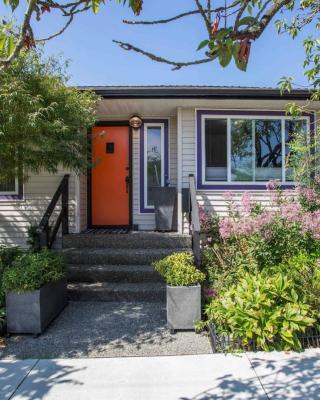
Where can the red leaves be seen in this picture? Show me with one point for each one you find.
(244, 50)
(45, 8)
(215, 26)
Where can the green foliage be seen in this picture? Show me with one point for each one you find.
(31, 271)
(7, 258)
(263, 309)
(42, 121)
(178, 269)
(33, 238)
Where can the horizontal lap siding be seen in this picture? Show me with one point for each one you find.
(17, 216)
(212, 200)
(83, 202)
(143, 220)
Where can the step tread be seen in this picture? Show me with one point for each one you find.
(110, 267)
(110, 286)
(131, 240)
(99, 250)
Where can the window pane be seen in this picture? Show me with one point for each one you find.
(216, 149)
(268, 150)
(292, 128)
(241, 150)
(153, 160)
(8, 186)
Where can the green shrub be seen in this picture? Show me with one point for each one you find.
(266, 310)
(33, 270)
(178, 269)
(7, 257)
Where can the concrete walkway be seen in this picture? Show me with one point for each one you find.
(105, 329)
(275, 376)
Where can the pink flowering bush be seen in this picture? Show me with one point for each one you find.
(253, 237)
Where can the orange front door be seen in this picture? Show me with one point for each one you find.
(110, 176)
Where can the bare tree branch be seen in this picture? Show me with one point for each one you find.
(176, 64)
(179, 16)
(59, 32)
(204, 16)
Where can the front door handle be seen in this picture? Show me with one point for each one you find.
(127, 183)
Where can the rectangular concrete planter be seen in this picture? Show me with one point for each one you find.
(183, 306)
(32, 312)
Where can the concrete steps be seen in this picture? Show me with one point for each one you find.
(117, 267)
(112, 273)
(113, 256)
(137, 240)
(106, 291)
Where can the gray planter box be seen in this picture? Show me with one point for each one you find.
(183, 306)
(164, 207)
(32, 312)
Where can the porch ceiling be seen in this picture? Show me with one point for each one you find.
(116, 109)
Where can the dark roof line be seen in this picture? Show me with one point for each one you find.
(194, 92)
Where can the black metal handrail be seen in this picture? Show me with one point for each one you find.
(194, 220)
(46, 235)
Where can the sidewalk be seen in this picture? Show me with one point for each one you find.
(195, 377)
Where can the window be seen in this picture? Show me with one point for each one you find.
(9, 187)
(248, 149)
(216, 149)
(154, 160)
(291, 128)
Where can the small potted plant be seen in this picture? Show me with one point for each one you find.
(183, 290)
(36, 293)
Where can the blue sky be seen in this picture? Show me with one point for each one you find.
(95, 60)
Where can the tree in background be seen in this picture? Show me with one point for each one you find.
(42, 121)
(13, 38)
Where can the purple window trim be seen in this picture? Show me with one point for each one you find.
(166, 159)
(13, 197)
(228, 113)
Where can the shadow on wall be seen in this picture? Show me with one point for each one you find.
(16, 218)
(293, 376)
(42, 376)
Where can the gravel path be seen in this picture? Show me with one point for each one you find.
(86, 329)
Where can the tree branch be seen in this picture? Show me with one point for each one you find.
(179, 16)
(4, 62)
(176, 64)
(59, 32)
(204, 16)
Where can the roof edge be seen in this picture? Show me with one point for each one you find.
(152, 92)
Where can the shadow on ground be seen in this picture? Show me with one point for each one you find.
(86, 329)
(40, 380)
(294, 376)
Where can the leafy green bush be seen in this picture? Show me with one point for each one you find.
(7, 257)
(33, 270)
(266, 310)
(178, 269)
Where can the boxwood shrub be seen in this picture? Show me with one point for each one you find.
(178, 269)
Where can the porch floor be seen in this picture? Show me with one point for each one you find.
(107, 329)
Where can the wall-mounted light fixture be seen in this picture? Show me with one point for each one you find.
(135, 121)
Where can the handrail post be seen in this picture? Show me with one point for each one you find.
(65, 206)
(194, 221)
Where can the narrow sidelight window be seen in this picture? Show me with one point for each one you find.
(216, 149)
(154, 159)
